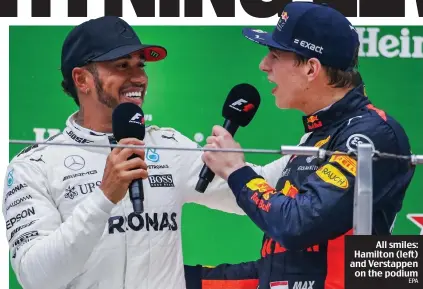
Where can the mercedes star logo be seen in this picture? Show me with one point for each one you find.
(74, 163)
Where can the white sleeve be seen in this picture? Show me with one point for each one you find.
(272, 171)
(218, 195)
(45, 251)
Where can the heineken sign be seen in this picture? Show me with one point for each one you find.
(402, 45)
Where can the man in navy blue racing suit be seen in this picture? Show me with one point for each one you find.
(305, 216)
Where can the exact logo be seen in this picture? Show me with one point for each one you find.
(309, 46)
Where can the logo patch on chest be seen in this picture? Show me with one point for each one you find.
(161, 181)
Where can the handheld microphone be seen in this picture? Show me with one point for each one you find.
(128, 122)
(238, 110)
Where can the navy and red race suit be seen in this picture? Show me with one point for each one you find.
(310, 210)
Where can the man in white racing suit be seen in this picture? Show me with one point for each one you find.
(69, 222)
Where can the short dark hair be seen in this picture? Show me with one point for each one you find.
(68, 85)
(339, 78)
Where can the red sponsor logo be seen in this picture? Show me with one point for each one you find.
(313, 122)
(260, 185)
(264, 187)
(261, 204)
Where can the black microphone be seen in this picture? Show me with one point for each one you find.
(128, 122)
(239, 109)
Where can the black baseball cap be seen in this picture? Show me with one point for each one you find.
(103, 39)
(313, 31)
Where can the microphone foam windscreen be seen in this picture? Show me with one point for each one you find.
(241, 104)
(128, 121)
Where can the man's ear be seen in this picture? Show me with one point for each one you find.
(82, 79)
(313, 68)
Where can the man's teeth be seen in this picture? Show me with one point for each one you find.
(133, 94)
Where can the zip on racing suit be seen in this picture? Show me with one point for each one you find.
(306, 217)
(64, 233)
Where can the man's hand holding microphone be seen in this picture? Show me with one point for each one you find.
(223, 163)
(121, 170)
(238, 110)
(126, 167)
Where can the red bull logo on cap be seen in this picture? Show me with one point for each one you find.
(282, 20)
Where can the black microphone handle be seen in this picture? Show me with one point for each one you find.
(136, 193)
(230, 126)
(206, 174)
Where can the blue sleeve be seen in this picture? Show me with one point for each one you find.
(323, 207)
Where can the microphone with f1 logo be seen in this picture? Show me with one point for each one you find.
(128, 122)
(238, 110)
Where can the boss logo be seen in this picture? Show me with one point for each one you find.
(161, 181)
